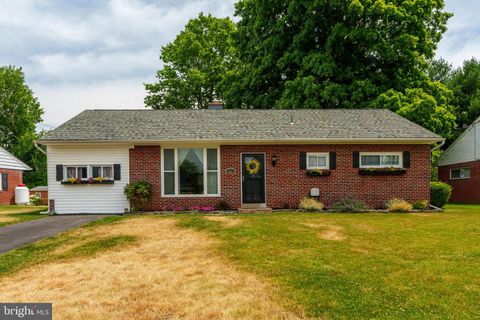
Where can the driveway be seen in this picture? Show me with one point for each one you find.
(20, 234)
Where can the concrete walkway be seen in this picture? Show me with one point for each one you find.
(20, 234)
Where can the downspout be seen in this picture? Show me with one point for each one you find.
(38, 148)
(45, 153)
(438, 147)
(475, 140)
(431, 150)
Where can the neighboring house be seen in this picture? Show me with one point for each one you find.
(247, 158)
(459, 166)
(11, 175)
(41, 192)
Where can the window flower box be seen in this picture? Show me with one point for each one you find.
(318, 173)
(382, 171)
(88, 181)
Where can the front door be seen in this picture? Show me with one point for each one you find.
(253, 178)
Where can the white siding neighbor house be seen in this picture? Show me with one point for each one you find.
(465, 149)
(459, 166)
(11, 175)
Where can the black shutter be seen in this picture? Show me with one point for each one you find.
(59, 172)
(356, 159)
(116, 172)
(5, 181)
(333, 160)
(303, 161)
(406, 159)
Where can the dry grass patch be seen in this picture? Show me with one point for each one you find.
(225, 221)
(168, 273)
(329, 232)
(8, 219)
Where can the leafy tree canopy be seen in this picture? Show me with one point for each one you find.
(465, 84)
(428, 106)
(334, 53)
(440, 70)
(20, 111)
(194, 65)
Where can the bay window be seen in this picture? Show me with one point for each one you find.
(190, 172)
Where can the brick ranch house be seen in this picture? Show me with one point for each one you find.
(11, 175)
(248, 158)
(459, 166)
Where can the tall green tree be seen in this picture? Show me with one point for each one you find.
(20, 112)
(335, 53)
(440, 70)
(465, 84)
(195, 64)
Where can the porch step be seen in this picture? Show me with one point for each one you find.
(254, 210)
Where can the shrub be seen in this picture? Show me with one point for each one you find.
(35, 200)
(222, 205)
(349, 204)
(398, 205)
(440, 193)
(310, 204)
(421, 205)
(138, 193)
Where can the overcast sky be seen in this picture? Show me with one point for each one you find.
(97, 54)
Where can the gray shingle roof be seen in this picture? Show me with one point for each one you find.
(238, 125)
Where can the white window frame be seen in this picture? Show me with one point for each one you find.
(176, 174)
(1, 181)
(319, 154)
(461, 178)
(399, 154)
(90, 170)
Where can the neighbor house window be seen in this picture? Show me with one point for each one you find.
(102, 172)
(380, 160)
(463, 173)
(317, 161)
(190, 171)
(77, 172)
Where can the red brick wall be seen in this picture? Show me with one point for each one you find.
(14, 179)
(287, 184)
(464, 190)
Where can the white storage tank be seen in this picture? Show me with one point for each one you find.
(22, 195)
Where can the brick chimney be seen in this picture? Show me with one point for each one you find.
(215, 105)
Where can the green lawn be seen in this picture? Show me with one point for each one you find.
(10, 214)
(362, 266)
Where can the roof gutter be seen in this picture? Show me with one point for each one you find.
(257, 141)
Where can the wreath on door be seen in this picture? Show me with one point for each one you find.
(252, 166)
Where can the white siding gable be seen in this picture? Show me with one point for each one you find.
(465, 149)
(88, 198)
(8, 161)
